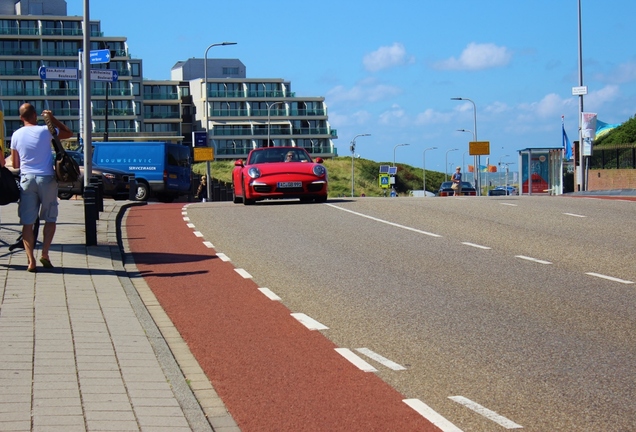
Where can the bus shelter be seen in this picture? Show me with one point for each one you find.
(541, 170)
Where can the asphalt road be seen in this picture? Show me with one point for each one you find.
(504, 311)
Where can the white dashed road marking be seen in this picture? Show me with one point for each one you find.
(508, 204)
(208, 244)
(309, 322)
(431, 415)
(223, 257)
(355, 360)
(383, 361)
(532, 259)
(385, 222)
(243, 273)
(613, 279)
(269, 294)
(574, 215)
(198, 233)
(476, 245)
(491, 415)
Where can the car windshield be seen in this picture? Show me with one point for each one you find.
(278, 154)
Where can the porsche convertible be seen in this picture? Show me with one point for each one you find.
(279, 173)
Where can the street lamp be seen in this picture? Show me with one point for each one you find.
(446, 165)
(353, 151)
(205, 108)
(476, 169)
(504, 156)
(424, 169)
(399, 145)
(268, 117)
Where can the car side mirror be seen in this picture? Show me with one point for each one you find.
(238, 162)
(319, 160)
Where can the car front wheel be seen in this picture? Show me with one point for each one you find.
(143, 192)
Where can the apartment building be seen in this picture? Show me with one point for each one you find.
(242, 113)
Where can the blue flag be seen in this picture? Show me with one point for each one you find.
(566, 144)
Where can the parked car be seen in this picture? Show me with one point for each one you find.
(115, 183)
(279, 172)
(501, 190)
(445, 189)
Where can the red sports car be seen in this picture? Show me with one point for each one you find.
(279, 172)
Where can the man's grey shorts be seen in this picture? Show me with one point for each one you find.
(37, 193)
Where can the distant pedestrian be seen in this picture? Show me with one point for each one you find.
(202, 190)
(457, 182)
(31, 153)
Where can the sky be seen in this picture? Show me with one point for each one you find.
(390, 68)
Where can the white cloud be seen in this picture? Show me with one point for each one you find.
(551, 105)
(596, 99)
(368, 90)
(387, 57)
(431, 117)
(395, 116)
(476, 57)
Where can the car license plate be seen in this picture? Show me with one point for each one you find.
(283, 185)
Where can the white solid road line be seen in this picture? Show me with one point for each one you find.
(309, 322)
(532, 259)
(491, 415)
(385, 222)
(613, 279)
(355, 360)
(431, 415)
(476, 245)
(382, 360)
(269, 294)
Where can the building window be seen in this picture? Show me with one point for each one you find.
(230, 71)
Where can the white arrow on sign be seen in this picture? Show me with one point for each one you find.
(61, 74)
(104, 75)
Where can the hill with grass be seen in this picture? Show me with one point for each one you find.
(623, 134)
(366, 179)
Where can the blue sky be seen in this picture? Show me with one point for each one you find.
(390, 69)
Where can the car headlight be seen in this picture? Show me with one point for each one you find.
(109, 176)
(320, 171)
(254, 172)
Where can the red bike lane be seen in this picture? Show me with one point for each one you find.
(272, 373)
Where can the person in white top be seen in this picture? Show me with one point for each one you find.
(31, 153)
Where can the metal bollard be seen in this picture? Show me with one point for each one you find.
(132, 192)
(99, 194)
(90, 213)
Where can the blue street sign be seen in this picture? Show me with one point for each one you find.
(60, 74)
(199, 139)
(100, 56)
(104, 75)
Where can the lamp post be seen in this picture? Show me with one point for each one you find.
(399, 145)
(269, 106)
(499, 164)
(205, 107)
(353, 151)
(463, 165)
(446, 164)
(476, 169)
(424, 169)
(580, 173)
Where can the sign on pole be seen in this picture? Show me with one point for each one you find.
(203, 154)
(104, 75)
(59, 74)
(479, 148)
(100, 56)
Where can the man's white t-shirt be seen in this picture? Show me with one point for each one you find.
(33, 144)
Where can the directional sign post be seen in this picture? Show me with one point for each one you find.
(100, 56)
(58, 74)
(104, 75)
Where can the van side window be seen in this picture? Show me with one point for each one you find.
(173, 156)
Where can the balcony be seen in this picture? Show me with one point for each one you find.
(229, 113)
(20, 52)
(226, 94)
(114, 112)
(62, 32)
(161, 96)
(159, 115)
(19, 71)
(62, 92)
(23, 92)
(19, 31)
